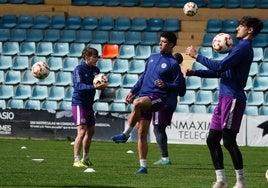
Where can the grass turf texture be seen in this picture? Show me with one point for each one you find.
(191, 166)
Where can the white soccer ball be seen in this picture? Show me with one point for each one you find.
(100, 78)
(40, 70)
(222, 43)
(190, 9)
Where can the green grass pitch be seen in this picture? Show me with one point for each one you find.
(191, 166)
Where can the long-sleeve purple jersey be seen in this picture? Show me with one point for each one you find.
(159, 66)
(233, 70)
(84, 91)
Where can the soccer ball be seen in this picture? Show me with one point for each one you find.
(40, 70)
(100, 79)
(190, 9)
(222, 43)
(266, 175)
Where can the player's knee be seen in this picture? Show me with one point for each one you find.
(229, 144)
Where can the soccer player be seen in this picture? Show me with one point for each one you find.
(82, 105)
(162, 118)
(233, 72)
(151, 94)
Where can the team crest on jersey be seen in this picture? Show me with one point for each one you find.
(163, 65)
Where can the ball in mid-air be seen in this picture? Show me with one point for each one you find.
(100, 79)
(40, 70)
(222, 43)
(190, 9)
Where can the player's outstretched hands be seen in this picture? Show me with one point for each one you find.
(130, 98)
(189, 72)
(100, 86)
(191, 52)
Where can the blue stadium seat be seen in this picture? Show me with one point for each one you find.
(56, 93)
(57, 21)
(107, 95)
(218, 56)
(67, 35)
(142, 51)
(41, 21)
(10, 48)
(182, 108)
(69, 63)
(214, 25)
(210, 108)
(138, 24)
(49, 80)
(112, 3)
(12, 77)
(147, 3)
(5, 62)
(203, 97)
(28, 78)
(73, 22)
(215, 3)
(100, 37)
(126, 51)
(262, 4)
(6, 91)
(178, 3)
(163, 3)
(44, 48)
(90, 23)
(25, 21)
(3, 1)
(154, 24)
(101, 107)
(16, 1)
(172, 25)
(115, 80)
(4, 34)
(193, 82)
(35, 59)
(128, 80)
(95, 2)
(260, 83)
(49, 105)
(76, 49)
(265, 26)
(122, 24)
(120, 66)
(27, 48)
(106, 23)
(263, 110)
(207, 39)
(121, 94)
(254, 69)
(97, 95)
(215, 97)
(60, 49)
(118, 107)
(55, 63)
(205, 51)
(105, 65)
(15, 104)
(3, 104)
(265, 99)
(230, 25)
(68, 93)
(9, 20)
(1, 47)
(133, 37)
(39, 92)
(51, 35)
(18, 35)
(155, 49)
(34, 2)
(83, 36)
(23, 92)
(255, 98)
(198, 109)
(34, 35)
(258, 54)
(20, 63)
(65, 105)
(149, 38)
(32, 104)
(97, 46)
(63, 79)
(265, 55)
(251, 111)
(116, 37)
(209, 83)
(136, 66)
(260, 40)
(248, 3)
(79, 2)
(2, 77)
(231, 4)
(128, 3)
(249, 85)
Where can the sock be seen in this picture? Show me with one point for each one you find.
(143, 163)
(220, 174)
(165, 158)
(85, 156)
(76, 158)
(240, 176)
(128, 131)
